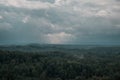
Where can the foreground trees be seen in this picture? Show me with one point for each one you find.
(57, 65)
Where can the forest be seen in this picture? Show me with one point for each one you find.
(59, 62)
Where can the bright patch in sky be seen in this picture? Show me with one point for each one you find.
(58, 38)
(1, 17)
(60, 21)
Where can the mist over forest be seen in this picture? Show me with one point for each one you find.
(59, 62)
(59, 39)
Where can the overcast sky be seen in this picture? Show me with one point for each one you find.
(60, 21)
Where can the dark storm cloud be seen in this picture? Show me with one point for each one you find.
(59, 21)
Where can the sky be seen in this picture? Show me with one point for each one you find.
(60, 21)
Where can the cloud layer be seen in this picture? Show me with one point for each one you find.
(60, 21)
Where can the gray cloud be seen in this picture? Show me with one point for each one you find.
(60, 21)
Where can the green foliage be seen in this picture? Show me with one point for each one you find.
(81, 64)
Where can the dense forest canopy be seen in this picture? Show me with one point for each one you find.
(59, 39)
(57, 62)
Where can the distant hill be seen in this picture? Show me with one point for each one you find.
(55, 47)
